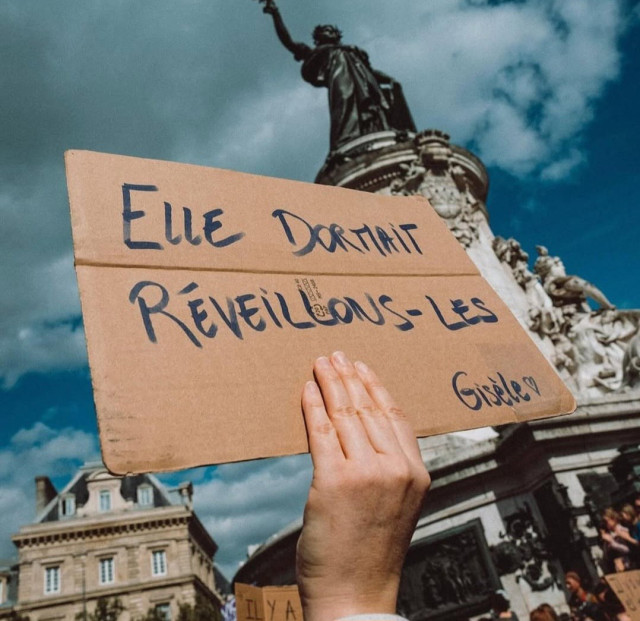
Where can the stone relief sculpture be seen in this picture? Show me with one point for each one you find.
(596, 351)
(631, 364)
(447, 577)
(435, 175)
(362, 100)
(510, 252)
(566, 290)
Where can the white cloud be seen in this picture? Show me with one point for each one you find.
(41, 348)
(38, 450)
(518, 80)
(39, 323)
(562, 168)
(244, 504)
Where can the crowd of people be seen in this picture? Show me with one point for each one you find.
(619, 536)
(599, 605)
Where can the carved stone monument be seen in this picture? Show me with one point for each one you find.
(595, 351)
(534, 493)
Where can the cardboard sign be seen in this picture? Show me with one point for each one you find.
(626, 585)
(207, 295)
(267, 603)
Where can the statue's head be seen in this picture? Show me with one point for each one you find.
(547, 266)
(326, 34)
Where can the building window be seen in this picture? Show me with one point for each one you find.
(105, 500)
(145, 495)
(3, 596)
(163, 611)
(68, 505)
(107, 575)
(159, 563)
(52, 579)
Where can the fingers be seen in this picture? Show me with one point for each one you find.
(341, 411)
(376, 424)
(323, 441)
(365, 417)
(394, 416)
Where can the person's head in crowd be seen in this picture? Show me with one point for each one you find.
(499, 602)
(572, 581)
(628, 516)
(550, 610)
(542, 614)
(610, 518)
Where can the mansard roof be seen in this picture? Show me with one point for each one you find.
(78, 488)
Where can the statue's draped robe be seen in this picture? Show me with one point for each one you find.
(358, 105)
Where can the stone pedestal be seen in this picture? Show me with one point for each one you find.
(595, 352)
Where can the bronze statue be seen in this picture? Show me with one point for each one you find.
(362, 100)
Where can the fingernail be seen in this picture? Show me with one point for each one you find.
(311, 388)
(340, 358)
(323, 362)
(362, 367)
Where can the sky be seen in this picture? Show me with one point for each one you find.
(544, 91)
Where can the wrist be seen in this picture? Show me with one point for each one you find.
(341, 606)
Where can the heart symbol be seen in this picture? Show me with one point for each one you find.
(529, 381)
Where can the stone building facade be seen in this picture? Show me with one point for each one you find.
(515, 511)
(104, 536)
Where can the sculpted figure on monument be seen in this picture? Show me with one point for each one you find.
(511, 253)
(566, 290)
(434, 174)
(600, 350)
(631, 364)
(362, 100)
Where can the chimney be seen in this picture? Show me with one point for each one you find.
(186, 494)
(45, 493)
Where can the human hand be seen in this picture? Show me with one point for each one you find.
(623, 533)
(269, 7)
(368, 486)
(605, 536)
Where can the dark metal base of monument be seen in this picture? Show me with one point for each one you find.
(373, 162)
(448, 576)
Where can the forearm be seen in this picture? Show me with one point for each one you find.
(297, 49)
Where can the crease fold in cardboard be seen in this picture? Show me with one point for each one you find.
(207, 294)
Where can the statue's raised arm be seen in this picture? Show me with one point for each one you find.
(299, 50)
